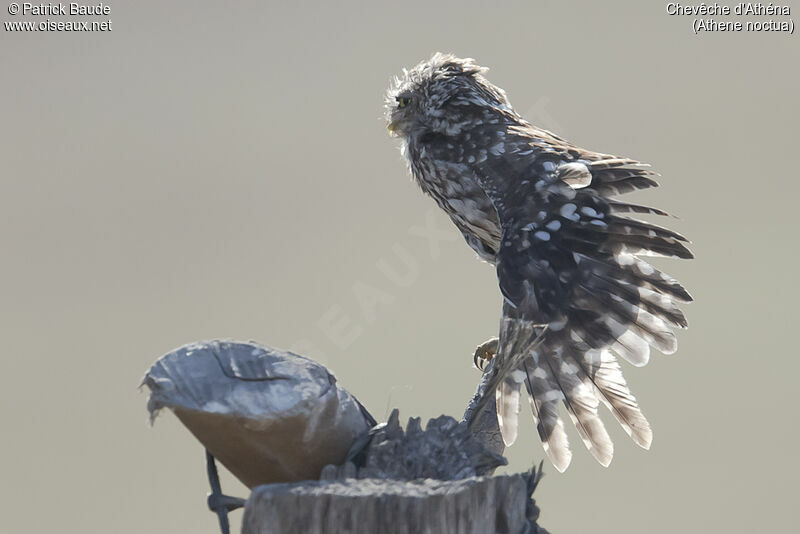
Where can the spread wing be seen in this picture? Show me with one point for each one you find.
(568, 261)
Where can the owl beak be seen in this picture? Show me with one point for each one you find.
(396, 127)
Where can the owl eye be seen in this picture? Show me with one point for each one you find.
(402, 101)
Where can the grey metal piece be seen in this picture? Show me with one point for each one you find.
(267, 415)
(218, 502)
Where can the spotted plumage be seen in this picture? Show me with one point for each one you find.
(575, 292)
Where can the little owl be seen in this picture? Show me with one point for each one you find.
(542, 211)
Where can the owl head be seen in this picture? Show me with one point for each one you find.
(440, 95)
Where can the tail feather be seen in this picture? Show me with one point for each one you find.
(632, 349)
(566, 369)
(554, 379)
(581, 402)
(515, 342)
(571, 360)
(507, 399)
(544, 395)
(518, 351)
(605, 373)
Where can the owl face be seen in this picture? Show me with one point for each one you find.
(405, 112)
(439, 94)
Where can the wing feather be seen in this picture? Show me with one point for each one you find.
(575, 291)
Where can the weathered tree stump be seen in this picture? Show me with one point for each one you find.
(415, 481)
(476, 505)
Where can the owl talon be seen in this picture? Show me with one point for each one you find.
(484, 353)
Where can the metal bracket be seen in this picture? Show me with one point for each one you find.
(218, 502)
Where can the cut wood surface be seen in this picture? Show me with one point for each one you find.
(478, 505)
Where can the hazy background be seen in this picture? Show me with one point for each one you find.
(223, 171)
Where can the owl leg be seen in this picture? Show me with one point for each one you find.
(485, 352)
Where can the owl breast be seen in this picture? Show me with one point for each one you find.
(457, 192)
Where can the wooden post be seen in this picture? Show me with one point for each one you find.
(436, 480)
(476, 505)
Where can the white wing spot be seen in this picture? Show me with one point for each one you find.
(539, 372)
(518, 376)
(542, 236)
(568, 212)
(552, 395)
(591, 212)
(568, 367)
(645, 268)
(625, 259)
